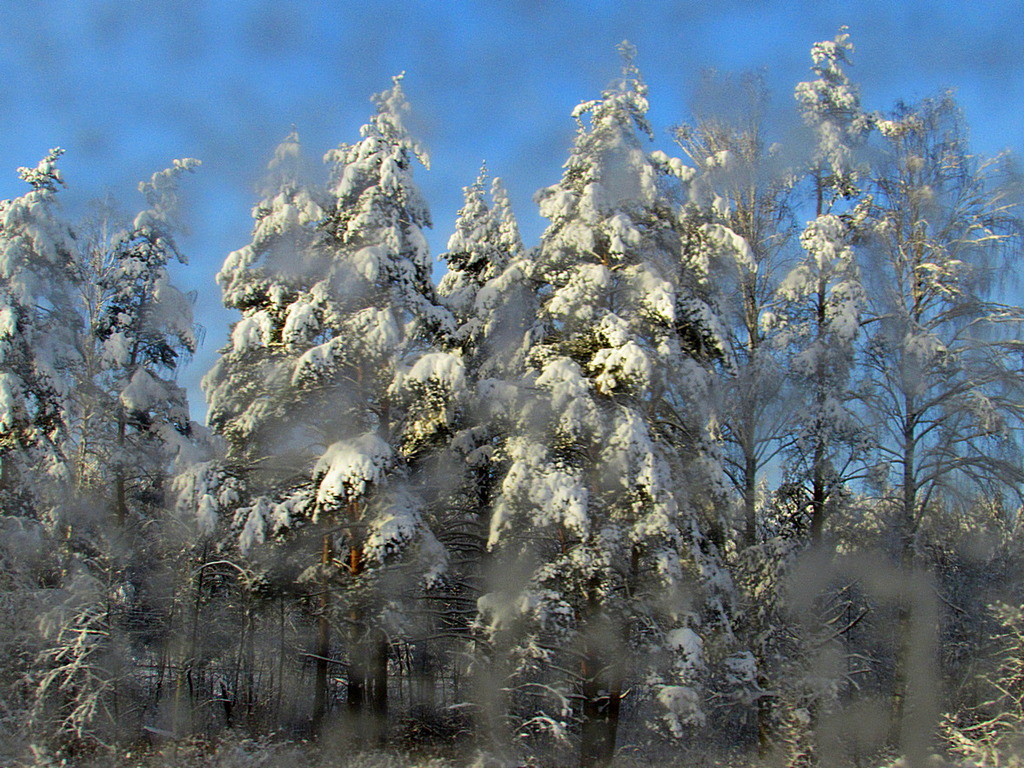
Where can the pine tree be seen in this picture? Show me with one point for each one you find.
(332, 390)
(492, 305)
(37, 326)
(590, 519)
(128, 424)
(486, 240)
(37, 334)
(273, 426)
(137, 330)
(402, 394)
(249, 393)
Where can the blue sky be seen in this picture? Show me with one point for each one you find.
(125, 86)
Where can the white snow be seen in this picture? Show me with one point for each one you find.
(349, 468)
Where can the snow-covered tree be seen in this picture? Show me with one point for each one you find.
(37, 329)
(127, 425)
(487, 290)
(492, 304)
(743, 195)
(402, 394)
(27, 570)
(250, 396)
(596, 537)
(486, 240)
(331, 390)
(272, 425)
(942, 371)
(818, 321)
(831, 110)
(741, 198)
(130, 418)
(686, 468)
(822, 297)
(84, 664)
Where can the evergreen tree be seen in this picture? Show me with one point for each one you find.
(37, 327)
(137, 330)
(486, 240)
(492, 304)
(273, 426)
(250, 397)
(341, 389)
(128, 424)
(402, 395)
(37, 334)
(591, 522)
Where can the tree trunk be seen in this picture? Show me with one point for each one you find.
(323, 641)
(120, 499)
(280, 662)
(424, 682)
(357, 671)
(819, 496)
(905, 555)
(379, 675)
(601, 673)
(357, 675)
(749, 497)
(368, 661)
(819, 490)
(764, 708)
(367, 680)
(899, 684)
(914, 713)
(602, 697)
(187, 664)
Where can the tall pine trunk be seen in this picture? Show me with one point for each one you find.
(378, 666)
(602, 697)
(601, 684)
(368, 657)
(323, 640)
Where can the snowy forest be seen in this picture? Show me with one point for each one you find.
(725, 470)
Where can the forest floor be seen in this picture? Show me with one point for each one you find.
(271, 753)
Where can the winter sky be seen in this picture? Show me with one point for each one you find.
(125, 86)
